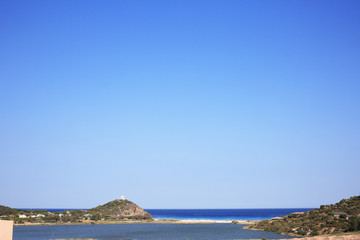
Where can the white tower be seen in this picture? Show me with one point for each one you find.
(122, 198)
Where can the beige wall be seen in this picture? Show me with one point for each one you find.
(6, 230)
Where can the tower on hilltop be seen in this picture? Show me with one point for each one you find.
(122, 198)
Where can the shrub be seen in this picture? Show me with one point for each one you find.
(301, 232)
(354, 223)
(314, 233)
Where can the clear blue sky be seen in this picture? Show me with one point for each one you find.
(179, 104)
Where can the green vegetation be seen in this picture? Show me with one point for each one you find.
(328, 219)
(115, 210)
(7, 210)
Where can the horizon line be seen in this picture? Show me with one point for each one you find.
(175, 208)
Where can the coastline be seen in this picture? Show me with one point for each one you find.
(332, 237)
(204, 221)
(155, 220)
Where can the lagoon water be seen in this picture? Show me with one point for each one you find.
(216, 231)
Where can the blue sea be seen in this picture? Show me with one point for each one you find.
(223, 214)
(216, 214)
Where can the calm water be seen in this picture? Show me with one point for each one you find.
(164, 231)
(142, 232)
(224, 214)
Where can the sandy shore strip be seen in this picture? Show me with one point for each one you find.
(203, 221)
(155, 220)
(343, 237)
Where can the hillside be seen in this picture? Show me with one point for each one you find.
(7, 210)
(328, 219)
(114, 210)
(4, 211)
(120, 209)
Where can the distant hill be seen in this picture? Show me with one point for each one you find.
(120, 209)
(114, 210)
(13, 211)
(334, 218)
(7, 210)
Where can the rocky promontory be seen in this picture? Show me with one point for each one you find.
(120, 209)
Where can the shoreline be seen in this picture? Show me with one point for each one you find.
(155, 220)
(331, 237)
(205, 221)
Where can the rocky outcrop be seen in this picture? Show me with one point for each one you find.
(120, 209)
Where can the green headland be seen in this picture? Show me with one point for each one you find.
(336, 218)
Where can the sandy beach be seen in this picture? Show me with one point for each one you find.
(344, 237)
(203, 221)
